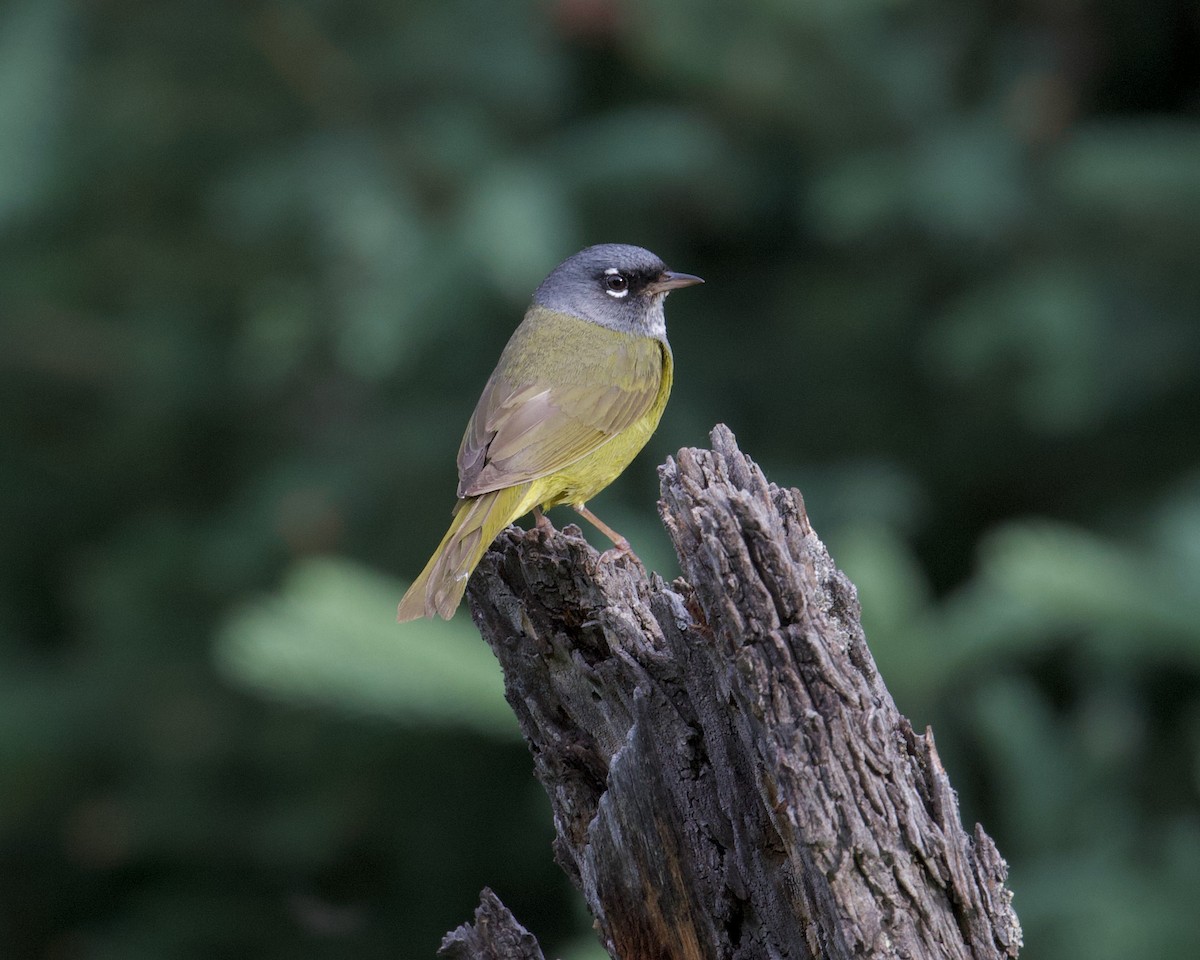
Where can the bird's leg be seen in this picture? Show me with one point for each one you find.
(620, 544)
(541, 521)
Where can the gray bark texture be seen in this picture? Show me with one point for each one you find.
(728, 773)
(495, 935)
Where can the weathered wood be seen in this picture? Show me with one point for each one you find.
(729, 776)
(495, 935)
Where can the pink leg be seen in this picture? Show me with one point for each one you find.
(620, 544)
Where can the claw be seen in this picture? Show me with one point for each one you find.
(620, 549)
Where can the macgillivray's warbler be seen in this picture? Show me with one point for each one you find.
(578, 390)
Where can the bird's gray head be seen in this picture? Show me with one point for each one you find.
(615, 285)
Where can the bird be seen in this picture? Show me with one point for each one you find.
(577, 392)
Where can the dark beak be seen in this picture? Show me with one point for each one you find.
(670, 280)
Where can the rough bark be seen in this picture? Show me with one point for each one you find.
(495, 935)
(729, 776)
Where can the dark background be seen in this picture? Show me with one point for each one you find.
(256, 262)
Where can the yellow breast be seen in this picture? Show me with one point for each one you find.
(580, 481)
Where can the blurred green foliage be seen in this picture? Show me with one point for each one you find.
(256, 261)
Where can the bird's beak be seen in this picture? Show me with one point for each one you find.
(670, 280)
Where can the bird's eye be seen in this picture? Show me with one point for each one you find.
(616, 285)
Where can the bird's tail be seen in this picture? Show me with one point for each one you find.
(477, 520)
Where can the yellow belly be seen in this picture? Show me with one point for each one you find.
(586, 477)
(578, 482)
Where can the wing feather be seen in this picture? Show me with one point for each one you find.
(534, 418)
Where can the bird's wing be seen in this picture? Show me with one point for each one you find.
(531, 421)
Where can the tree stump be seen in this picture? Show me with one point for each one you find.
(729, 776)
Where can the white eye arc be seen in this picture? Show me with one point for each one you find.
(615, 285)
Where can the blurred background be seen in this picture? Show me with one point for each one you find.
(256, 262)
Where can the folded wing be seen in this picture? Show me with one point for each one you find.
(535, 418)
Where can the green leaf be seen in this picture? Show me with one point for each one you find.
(329, 637)
(34, 61)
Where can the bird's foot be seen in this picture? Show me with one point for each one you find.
(620, 549)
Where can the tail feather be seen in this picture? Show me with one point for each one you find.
(440, 586)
